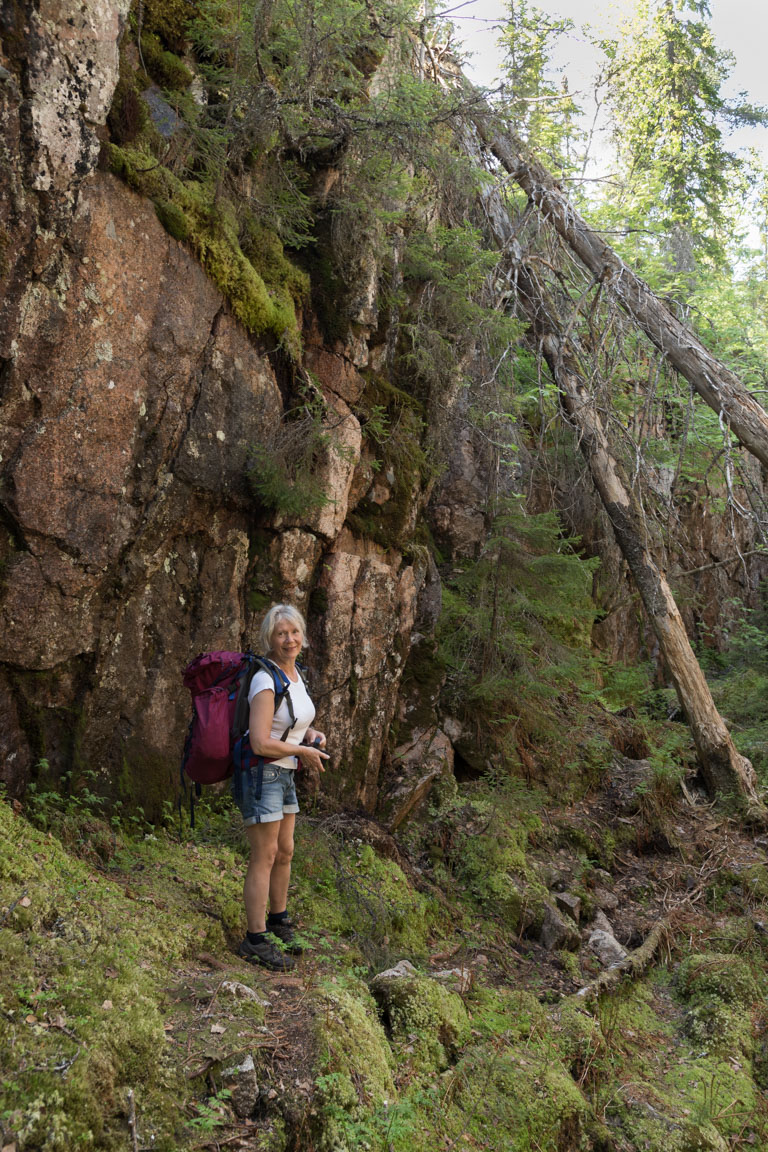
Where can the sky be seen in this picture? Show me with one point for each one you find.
(740, 26)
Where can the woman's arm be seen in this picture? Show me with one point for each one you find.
(260, 734)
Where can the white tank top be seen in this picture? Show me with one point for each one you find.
(303, 710)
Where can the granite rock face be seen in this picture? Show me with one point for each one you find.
(129, 401)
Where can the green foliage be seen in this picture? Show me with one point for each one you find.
(357, 895)
(542, 109)
(515, 633)
(446, 270)
(392, 421)
(486, 841)
(666, 76)
(283, 468)
(739, 678)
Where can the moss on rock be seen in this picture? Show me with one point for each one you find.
(355, 1066)
(422, 1016)
(190, 211)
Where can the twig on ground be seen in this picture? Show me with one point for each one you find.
(132, 1121)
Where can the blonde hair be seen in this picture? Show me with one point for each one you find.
(276, 613)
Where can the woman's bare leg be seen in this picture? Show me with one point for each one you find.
(280, 876)
(263, 841)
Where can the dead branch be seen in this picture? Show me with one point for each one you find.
(632, 967)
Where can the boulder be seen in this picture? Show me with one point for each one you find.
(607, 948)
(423, 1017)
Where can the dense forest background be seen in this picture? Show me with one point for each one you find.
(291, 310)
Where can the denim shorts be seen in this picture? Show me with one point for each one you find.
(278, 793)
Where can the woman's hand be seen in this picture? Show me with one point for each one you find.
(310, 757)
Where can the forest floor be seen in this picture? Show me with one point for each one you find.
(130, 1022)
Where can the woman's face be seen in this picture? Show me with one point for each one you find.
(287, 639)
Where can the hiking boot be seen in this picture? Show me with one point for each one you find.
(285, 932)
(266, 953)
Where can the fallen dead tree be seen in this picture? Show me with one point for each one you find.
(632, 967)
(723, 768)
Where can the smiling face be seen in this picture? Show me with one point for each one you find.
(287, 640)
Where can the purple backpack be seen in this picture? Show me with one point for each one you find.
(219, 684)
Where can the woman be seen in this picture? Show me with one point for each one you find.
(269, 811)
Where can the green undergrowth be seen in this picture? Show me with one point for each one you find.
(736, 663)
(112, 962)
(85, 951)
(481, 840)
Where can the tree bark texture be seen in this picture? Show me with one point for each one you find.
(716, 384)
(723, 768)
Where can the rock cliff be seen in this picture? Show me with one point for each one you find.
(130, 400)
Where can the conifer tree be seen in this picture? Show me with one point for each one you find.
(669, 114)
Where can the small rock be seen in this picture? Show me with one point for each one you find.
(606, 900)
(242, 992)
(163, 116)
(569, 904)
(607, 948)
(602, 923)
(459, 978)
(558, 931)
(401, 969)
(246, 1066)
(244, 1086)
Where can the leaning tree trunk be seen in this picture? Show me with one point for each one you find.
(724, 769)
(716, 384)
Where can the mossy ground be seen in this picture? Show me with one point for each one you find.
(115, 949)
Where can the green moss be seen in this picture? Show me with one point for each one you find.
(265, 251)
(165, 67)
(719, 989)
(512, 1013)
(425, 1019)
(173, 219)
(82, 967)
(354, 1061)
(357, 896)
(520, 1099)
(489, 854)
(169, 19)
(210, 227)
(728, 977)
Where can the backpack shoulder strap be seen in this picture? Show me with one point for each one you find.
(280, 681)
(282, 688)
